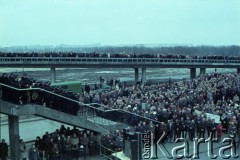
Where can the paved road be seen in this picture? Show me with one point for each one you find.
(204, 150)
(30, 128)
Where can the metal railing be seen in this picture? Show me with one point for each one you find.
(106, 152)
(22, 60)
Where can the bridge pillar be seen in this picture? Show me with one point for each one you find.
(202, 71)
(143, 75)
(53, 74)
(136, 75)
(14, 137)
(192, 73)
(238, 70)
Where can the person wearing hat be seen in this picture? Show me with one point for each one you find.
(81, 152)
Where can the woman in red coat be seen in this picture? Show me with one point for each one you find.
(219, 131)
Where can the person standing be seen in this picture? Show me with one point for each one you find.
(213, 128)
(170, 129)
(232, 130)
(202, 127)
(238, 138)
(187, 128)
(219, 131)
(23, 151)
(39, 146)
(81, 152)
(84, 142)
(74, 146)
(92, 144)
(232, 133)
(33, 153)
(3, 150)
(55, 152)
(192, 128)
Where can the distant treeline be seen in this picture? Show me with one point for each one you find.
(138, 49)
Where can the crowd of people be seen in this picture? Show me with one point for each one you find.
(112, 142)
(114, 55)
(46, 95)
(183, 104)
(177, 108)
(63, 144)
(215, 93)
(66, 143)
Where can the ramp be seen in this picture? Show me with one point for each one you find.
(48, 113)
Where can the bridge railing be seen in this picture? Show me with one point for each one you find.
(23, 60)
(92, 110)
(106, 153)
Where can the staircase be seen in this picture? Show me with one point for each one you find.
(94, 117)
(91, 115)
(48, 113)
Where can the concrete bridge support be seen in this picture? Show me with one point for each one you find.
(192, 73)
(53, 74)
(143, 75)
(13, 122)
(136, 74)
(238, 70)
(202, 71)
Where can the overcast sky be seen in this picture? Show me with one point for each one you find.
(117, 22)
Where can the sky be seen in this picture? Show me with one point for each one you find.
(119, 22)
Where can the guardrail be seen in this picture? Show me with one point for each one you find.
(114, 60)
(106, 152)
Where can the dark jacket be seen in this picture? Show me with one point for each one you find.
(3, 150)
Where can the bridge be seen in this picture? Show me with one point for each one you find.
(105, 62)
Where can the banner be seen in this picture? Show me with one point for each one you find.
(209, 115)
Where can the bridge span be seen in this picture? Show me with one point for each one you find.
(101, 62)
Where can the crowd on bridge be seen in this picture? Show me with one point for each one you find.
(113, 55)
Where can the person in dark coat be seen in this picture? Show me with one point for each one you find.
(92, 144)
(170, 129)
(202, 127)
(177, 129)
(33, 153)
(192, 128)
(187, 128)
(3, 150)
(213, 128)
(39, 146)
(232, 130)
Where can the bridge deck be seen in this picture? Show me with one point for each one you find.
(88, 62)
